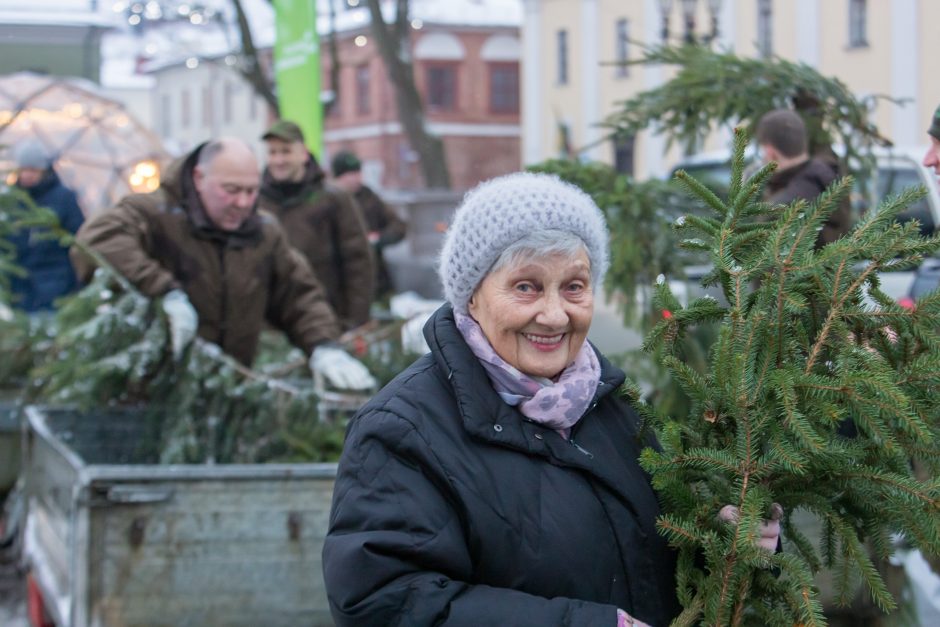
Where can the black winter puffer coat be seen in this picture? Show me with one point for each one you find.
(452, 509)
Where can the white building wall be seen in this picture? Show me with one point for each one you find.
(901, 37)
(220, 103)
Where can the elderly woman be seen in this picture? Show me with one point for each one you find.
(496, 481)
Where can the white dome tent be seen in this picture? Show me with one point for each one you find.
(99, 149)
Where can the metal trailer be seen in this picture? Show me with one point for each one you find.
(112, 539)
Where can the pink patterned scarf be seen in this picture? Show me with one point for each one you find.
(556, 404)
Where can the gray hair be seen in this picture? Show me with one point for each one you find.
(209, 152)
(538, 245)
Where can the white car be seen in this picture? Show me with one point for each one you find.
(896, 170)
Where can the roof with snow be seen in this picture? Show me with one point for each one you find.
(56, 13)
(170, 44)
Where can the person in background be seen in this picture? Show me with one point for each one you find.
(221, 267)
(932, 157)
(49, 273)
(497, 480)
(781, 136)
(321, 221)
(383, 225)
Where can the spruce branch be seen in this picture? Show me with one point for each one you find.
(801, 351)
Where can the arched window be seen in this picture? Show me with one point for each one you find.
(440, 54)
(440, 47)
(501, 48)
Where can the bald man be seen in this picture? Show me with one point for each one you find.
(221, 267)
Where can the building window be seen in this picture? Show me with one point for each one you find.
(442, 87)
(166, 115)
(207, 106)
(623, 47)
(765, 24)
(504, 88)
(363, 99)
(858, 23)
(184, 109)
(227, 103)
(624, 148)
(562, 57)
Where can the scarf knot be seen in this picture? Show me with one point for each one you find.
(556, 404)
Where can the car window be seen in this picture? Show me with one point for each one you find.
(710, 174)
(893, 181)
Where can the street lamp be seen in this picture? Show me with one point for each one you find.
(665, 8)
(714, 8)
(688, 16)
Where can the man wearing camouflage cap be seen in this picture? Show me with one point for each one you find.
(321, 221)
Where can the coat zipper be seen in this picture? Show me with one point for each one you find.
(223, 318)
(582, 449)
(571, 435)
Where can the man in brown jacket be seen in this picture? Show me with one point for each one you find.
(781, 135)
(321, 221)
(221, 266)
(383, 224)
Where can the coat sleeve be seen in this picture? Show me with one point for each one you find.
(71, 216)
(357, 260)
(396, 551)
(391, 227)
(298, 304)
(122, 236)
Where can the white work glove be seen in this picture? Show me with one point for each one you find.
(341, 369)
(182, 318)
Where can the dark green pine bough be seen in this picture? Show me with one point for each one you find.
(799, 353)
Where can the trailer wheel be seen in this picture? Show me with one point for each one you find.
(35, 606)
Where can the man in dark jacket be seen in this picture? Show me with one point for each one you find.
(781, 135)
(221, 266)
(321, 221)
(382, 222)
(46, 262)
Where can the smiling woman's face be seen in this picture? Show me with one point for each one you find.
(536, 313)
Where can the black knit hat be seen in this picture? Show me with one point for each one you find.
(344, 162)
(934, 129)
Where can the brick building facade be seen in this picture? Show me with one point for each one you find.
(468, 77)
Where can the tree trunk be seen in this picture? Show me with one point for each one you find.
(334, 63)
(251, 68)
(391, 40)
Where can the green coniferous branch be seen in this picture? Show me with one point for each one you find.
(108, 345)
(718, 88)
(800, 352)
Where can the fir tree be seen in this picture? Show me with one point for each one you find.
(712, 88)
(807, 343)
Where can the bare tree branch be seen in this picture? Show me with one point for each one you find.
(391, 41)
(251, 68)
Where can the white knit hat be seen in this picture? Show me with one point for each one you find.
(499, 212)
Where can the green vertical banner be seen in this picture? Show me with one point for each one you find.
(297, 68)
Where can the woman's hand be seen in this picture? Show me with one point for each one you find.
(625, 620)
(769, 527)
